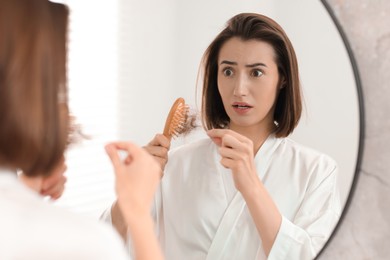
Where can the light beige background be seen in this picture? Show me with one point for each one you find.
(365, 230)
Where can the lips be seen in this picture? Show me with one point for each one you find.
(241, 105)
(241, 108)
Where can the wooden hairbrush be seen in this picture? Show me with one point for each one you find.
(177, 119)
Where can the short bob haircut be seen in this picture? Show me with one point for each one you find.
(251, 26)
(34, 114)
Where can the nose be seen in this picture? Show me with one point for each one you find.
(241, 87)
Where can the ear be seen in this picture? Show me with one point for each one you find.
(282, 82)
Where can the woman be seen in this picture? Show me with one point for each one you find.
(34, 122)
(247, 191)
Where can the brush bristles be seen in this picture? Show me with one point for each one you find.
(179, 119)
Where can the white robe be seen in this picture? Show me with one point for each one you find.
(201, 215)
(32, 229)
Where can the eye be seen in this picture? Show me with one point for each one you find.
(228, 72)
(256, 73)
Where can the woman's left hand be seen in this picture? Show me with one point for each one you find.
(237, 154)
(52, 184)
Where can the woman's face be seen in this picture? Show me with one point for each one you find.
(248, 82)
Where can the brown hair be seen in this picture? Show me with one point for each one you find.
(33, 92)
(249, 26)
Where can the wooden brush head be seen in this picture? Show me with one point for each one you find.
(176, 119)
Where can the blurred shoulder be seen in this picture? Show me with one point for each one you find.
(62, 233)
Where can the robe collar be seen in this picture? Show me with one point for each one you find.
(262, 157)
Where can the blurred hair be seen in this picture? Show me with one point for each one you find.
(251, 26)
(33, 92)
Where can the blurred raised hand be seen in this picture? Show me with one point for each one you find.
(137, 178)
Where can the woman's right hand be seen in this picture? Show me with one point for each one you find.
(158, 148)
(137, 178)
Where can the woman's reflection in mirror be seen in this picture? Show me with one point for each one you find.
(247, 191)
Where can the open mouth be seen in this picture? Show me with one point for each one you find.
(241, 106)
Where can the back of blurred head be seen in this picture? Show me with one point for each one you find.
(33, 93)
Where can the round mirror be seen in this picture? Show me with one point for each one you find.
(137, 57)
(161, 49)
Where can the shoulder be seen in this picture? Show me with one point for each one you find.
(68, 222)
(63, 234)
(311, 165)
(97, 238)
(306, 155)
(315, 168)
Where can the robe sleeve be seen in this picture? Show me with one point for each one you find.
(304, 236)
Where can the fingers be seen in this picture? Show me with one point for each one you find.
(228, 163)
(113, 150)
(157, 151)
(159, 148)
(160, 154)
(217, 140)
(233, 152)
(55, 191)
(115, 146)
(134, 152)
(135, 181)
(228, 152)
(113, 155)
(230, 139)
(53, 185)
(57, 176)
(131, 148)
(220, 133)
(234, 148)
(160, 140)
(231, 142)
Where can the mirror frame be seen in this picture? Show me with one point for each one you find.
(359, 91)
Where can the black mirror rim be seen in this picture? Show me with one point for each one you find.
(361, 122)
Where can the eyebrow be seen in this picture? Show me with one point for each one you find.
(248, 65)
